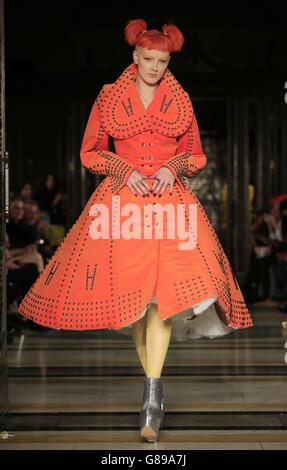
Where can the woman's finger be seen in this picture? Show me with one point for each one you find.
(131, 189)
(153, 186)
(163, 188)
(147, 186)
(158, 188)
(143, 187)
(138, 188)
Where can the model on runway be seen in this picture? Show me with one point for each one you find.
(152, 287)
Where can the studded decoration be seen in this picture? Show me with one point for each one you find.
(123, 114)
(128, 107)
(51, 273)
(97, 159)
(108, 283)
(221, 281)
(190, 158)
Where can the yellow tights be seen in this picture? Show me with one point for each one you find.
(151, 336)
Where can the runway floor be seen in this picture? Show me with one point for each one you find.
(83, 390)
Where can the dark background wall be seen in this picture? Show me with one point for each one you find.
(61, 51)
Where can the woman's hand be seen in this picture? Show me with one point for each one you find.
(136, 184)
(56, 199)
(12, 265)
(19, 261)
(164, 177)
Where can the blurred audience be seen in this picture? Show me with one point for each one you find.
(280, 255)
(39, 221)
(20, 234)
(267, 272)
(22, 270)
(52, 199)
(36, 227)
(26, 191)
(259, 260)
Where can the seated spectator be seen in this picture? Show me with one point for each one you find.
(279, 253)
(35, 218)
(26, 191)
(20, 234)
(20, 275)
(22, 238)
(52, 199)
(258, 275)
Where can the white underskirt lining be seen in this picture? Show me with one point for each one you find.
(205, 324)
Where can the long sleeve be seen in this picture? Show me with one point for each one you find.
(95, 155)
(190, 158)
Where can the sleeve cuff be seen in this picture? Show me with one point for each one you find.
(126, 177)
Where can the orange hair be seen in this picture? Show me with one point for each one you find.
(170, 39)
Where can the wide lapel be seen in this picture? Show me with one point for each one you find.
(171, 112)
(123, 114)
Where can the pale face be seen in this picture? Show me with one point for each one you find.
(152, 64)
(31, 213)
(17, 210)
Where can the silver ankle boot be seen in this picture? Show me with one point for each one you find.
(152, 413)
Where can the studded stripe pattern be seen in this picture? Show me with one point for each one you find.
(190, 159)
(123, 115)
(96, 157)
(96, 284)
(230, 306)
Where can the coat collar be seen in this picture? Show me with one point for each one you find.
(123, 114)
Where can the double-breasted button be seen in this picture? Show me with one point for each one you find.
(150, 144)
(151, 158)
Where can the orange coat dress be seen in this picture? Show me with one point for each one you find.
(109, 281)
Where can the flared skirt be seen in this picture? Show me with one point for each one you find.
(123, 253)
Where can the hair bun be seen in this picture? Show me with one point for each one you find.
(133, 29)
(175, 36)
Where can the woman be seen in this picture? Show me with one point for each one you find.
(143, 284)
(51, 199)
(22, 237)
(26, 191)
(279, 255)
(259, 259)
